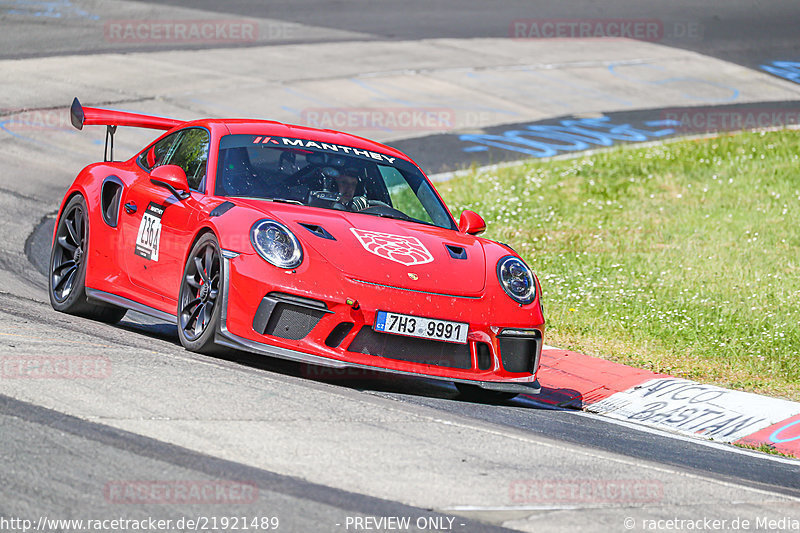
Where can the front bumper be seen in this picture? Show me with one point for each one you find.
(226, 338)
(243, 326)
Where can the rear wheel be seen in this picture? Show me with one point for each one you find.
(199, 298)
(474, 393)
(67, 277)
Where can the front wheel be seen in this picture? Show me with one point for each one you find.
(67, 276)
(474, 393)
(199, 301)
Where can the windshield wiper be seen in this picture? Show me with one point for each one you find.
(400, 216)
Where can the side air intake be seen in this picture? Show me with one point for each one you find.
(288, 316)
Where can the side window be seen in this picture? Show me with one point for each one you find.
(154, 157)
(191, 154)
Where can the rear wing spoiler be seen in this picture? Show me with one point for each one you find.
(91, 116)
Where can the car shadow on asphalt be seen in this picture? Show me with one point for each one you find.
(360, 379)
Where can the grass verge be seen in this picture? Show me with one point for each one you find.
(682, 258)
(765, 448)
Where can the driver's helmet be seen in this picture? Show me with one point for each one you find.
(350, 181)
(287, 163)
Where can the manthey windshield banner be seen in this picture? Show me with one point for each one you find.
(325, 147)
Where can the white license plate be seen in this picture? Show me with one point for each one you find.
(424, 328)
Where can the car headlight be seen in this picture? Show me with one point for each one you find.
(516, 279)
(276, 243)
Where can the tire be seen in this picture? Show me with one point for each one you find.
(66, 280)
(199, 299)
(474, 393)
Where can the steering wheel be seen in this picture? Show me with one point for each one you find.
(327, 199)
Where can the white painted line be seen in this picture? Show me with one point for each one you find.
(722, 446)
(468, 508)
(507, 432)
(694, 439)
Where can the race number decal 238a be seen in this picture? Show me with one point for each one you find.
(149, 236)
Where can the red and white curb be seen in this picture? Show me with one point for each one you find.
(571, 379)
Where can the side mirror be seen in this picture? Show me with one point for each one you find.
(471, 223)
(173, 178)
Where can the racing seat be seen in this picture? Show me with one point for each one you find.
(239, 178)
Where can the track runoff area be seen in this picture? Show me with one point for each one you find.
(663, 402)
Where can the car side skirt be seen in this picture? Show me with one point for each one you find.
(107, 297)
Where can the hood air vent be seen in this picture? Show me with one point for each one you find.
(456, 252)
(319, 231)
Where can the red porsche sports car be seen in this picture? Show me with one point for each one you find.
(298, 243)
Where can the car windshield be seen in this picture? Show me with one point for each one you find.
(330, 176)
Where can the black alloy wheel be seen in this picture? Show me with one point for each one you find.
(68, 259)
(69, 250)
(199, 300)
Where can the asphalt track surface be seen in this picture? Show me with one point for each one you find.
(744, 32)
(51, 440)
(56, 464)
(521, 413)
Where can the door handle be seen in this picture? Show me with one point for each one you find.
(130, 208)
